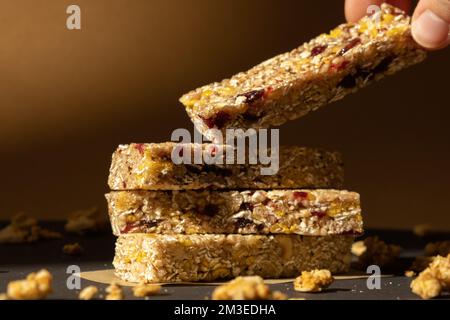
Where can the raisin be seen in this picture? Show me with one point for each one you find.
(139, 147)
(128, 227)
(124, 184)
(252, 96)
(219, 120)
(243, 222)
(339, 66)
(209, 210)
(245, 206)
(319, 214)
(318, 50)
(353, 43)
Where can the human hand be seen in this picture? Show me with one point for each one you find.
(430, 22)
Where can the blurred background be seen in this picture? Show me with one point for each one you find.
(68, 98)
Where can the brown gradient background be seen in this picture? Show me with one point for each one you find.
(68, 98)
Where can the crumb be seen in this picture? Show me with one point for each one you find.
(145, 290)
(73, 249)
(246, 288)
(433, 280)
(358, 248)
(3, 296)
(378, 252)
(410, 273)
(85, 221)
(35, 286)
(440, 248)
(313, 281)
(114, 292)
(422, 230)
(88, 293)
(25, 229)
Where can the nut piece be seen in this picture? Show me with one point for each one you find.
(246, 288)
(433, 280)
(73, 249)
(35, 286)
(25, 229)
(313, 281)
(145, 290)
(410, 273)
(88, 293)
(114, 292)
(358, 248)
(378, 252)
(84, 221)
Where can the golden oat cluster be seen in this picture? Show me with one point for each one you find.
(197, 221)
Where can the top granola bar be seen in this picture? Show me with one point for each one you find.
(321, 71)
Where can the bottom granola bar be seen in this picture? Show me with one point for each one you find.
(175, 258)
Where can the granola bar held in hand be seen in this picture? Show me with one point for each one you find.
(150, 167)
(304, 212)
(174, 258)
(319, 72)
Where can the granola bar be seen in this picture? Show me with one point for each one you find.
(150, 167)
(321, 71)
(175, 258)
(304, 212)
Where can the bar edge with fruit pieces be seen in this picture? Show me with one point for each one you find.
(317, 73)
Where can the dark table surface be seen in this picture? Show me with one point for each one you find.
(17, 260)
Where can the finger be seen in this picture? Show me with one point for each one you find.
(430, 27)
(356, 9)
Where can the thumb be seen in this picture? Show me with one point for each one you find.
(430, 27)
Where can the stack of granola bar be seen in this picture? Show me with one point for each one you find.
(201, 222)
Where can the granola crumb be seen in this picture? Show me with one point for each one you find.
(434, 280)
(410, 273)
(145, 290)
(35, 286)
(313, 281)
(422, 230)
(358, 248)
(114, 292)
(439, 248)
(73, 249)
(85, 221)
(88, 293)
(378, 252)
(25, 229)
(246, 288)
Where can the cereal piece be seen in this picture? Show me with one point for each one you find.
(292, 84)
(85, 221)
(88, 293)
(441, 248)
(433, 280)
(149, 166)
(313, 281)
(421, 230)
(246, 288)
(25, 229)
(73, 249)
(206, 257)
(305, 212)
(145, 290)
(410, 273)
(378, 252)
(35, 286)
(358, 248)
(114, 292)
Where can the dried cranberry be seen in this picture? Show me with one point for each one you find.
(318, 214)
(124, 184)
(209, 210)
(339, 66)
(139, 147)
(353, 43)
(243, 222)
(318, 50)
(219, 120)
(300, 195)
(252, 96)
(246, 206)
(266, 202)
(128, 227)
